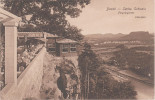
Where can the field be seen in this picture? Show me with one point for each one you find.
(133, 62)
(127, 55)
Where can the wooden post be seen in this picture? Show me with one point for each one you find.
(10, 52)
(25, 42)
(0, 45)
(88, 86)
(45, 38)
(69, 46)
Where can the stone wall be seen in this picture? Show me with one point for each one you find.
(28, 83)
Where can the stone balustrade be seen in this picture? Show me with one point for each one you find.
(28, 83)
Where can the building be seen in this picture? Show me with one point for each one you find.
(51, 43)
(54, 44)
(66, 47)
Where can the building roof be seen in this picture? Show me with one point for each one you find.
(49, 41)
(36, 34)
(51, 35)
(66, 41)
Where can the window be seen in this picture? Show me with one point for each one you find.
(73, 47)
(52, 47)
(65, 47)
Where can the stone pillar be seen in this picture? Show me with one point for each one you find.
(10, 52)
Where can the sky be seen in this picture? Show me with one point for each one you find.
(95, 19)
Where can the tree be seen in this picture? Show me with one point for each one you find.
(28, 28)
(88, 63)
(108, 88)
(97, 83)
(72, 32)
(49, 15)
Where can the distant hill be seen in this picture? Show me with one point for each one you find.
(108, 36)
(133, 36)
(138, 35)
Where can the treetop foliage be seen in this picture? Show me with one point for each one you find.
(49, 15)
(55, 7)
(88, 59)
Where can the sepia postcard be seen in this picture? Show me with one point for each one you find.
(77, 50)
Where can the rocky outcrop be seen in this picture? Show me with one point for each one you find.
(52, 66)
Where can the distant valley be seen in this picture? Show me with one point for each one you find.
(133, 36)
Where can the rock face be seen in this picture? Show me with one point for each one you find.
(49, 87)
(139, 36)
(52, 66)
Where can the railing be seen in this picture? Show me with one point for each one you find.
(24, 59)
(28, 83)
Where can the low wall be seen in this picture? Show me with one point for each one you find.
(69, 54)
(28, 83)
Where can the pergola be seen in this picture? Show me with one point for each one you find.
(43, 36)
(10, 22)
